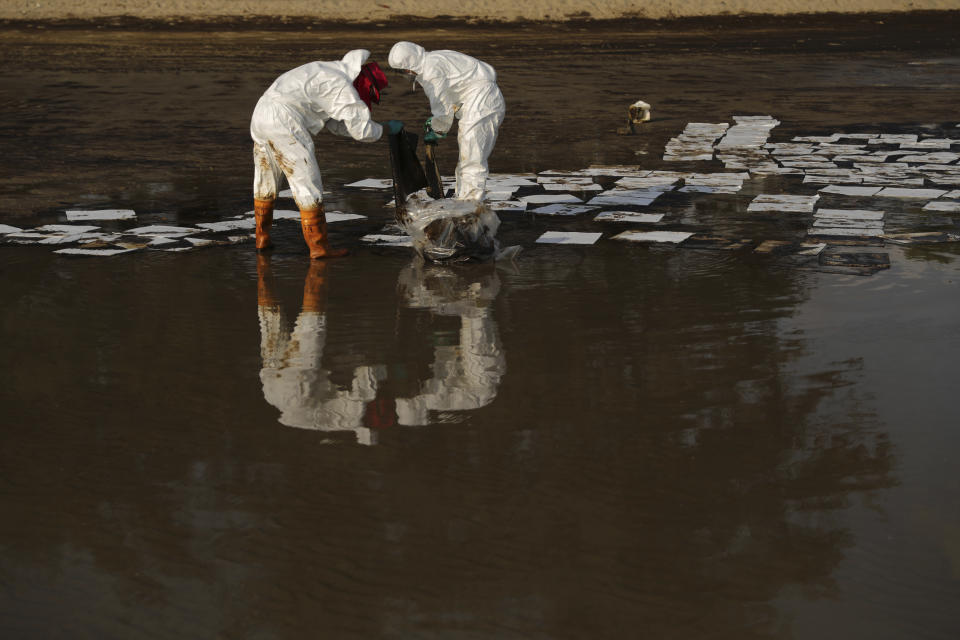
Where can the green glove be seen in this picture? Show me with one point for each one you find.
(430, 136)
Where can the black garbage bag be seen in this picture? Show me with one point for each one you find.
(408, 175)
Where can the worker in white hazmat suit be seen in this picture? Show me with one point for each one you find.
(298, 105)
(466, 375)
(294, 380)
(462, 87)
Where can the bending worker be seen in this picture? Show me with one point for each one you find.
(298, 105)
(460, 86)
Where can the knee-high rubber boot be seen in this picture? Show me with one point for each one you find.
(314, 225)
(263, 212)
(265, 294)
(315, 288)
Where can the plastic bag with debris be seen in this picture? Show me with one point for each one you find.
(452, 230)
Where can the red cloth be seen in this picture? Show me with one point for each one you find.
(380, 413)
(370, 82)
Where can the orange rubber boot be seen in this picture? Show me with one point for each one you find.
(265, 294)
(315, 288)
(263, 212)
(314, 225)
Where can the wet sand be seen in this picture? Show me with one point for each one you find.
(499, 10)
(599, 442)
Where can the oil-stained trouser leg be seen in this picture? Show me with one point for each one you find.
(266, 178)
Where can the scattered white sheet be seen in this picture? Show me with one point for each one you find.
(663, 183)
(565, 186)
(561, 172)
(371, 183)
(93, 252)
(783, 202)
(819, 179)
(568, 237)
(388, 240)
(5, 228)
(849, 214)
(845, 232)
(508, 206)
(499, 180)
(547, 198)
(811, 249)
(229, 225)
(631, 172)
(628, 216)
(621, 197)
(162, 230)
(851, 191)
(74, 215)
(499, 196)
(841, 223)
(934, 158)
(71, 238)
(564, 209)
(67, 228)
(945, 207)
(891, 192)
(162, 240)
(653, 236)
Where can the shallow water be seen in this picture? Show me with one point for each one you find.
(603, 441)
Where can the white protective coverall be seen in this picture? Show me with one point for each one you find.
(466, 375)
(295, 382)
(297, 106)
(460, 86)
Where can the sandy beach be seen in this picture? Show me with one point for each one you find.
(494, 10)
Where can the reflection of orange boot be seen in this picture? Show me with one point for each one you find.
(314, 224)
(315, 287)
(265, 295)
(263, 212)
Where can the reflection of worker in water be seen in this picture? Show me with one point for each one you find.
(460, 86)
(465, 375)
(298, 105)
(293, 379)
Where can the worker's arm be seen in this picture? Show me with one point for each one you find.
(354, 121)
(436, 89)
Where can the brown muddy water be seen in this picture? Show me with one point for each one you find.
(613, 441)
